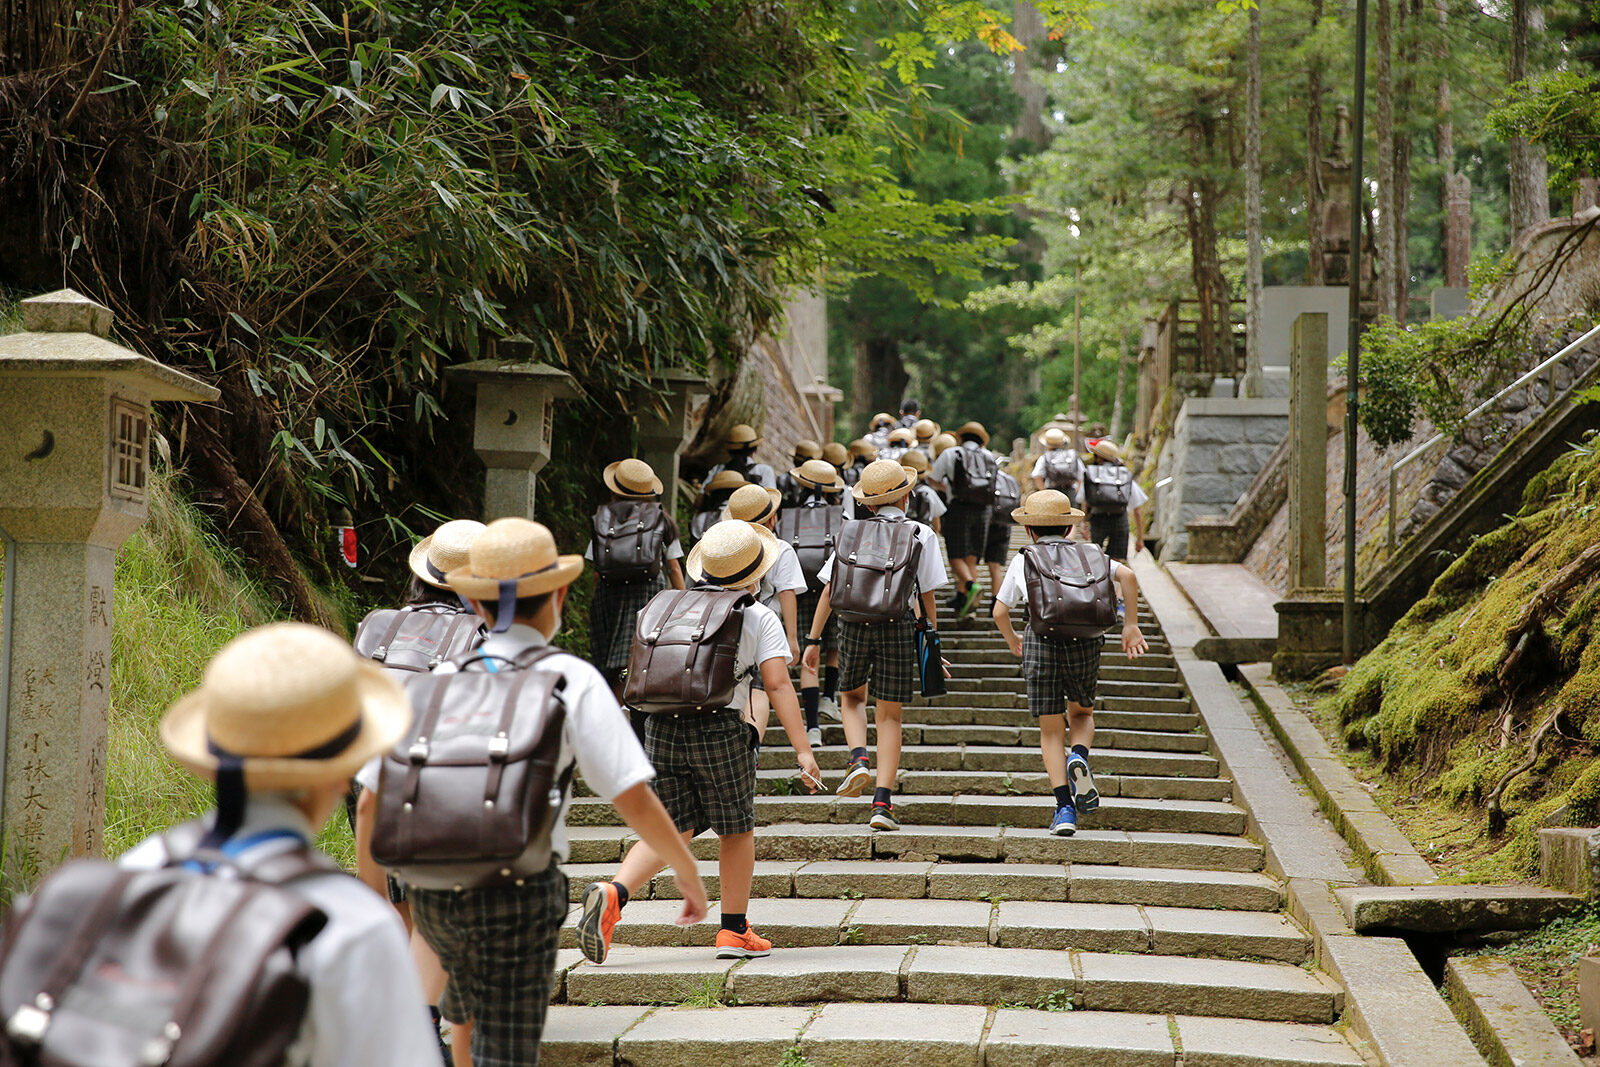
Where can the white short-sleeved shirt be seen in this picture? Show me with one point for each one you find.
(1137, 497)
(596, 736)
(946, 462)
(785, 574)
(672, 550)
(761, 639)
(758, 473)
(1077, 468)
(931, 574)
(931, 500)
(1014, 587)
(366, 1003)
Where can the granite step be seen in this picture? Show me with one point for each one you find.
(913, 735)
(1110, 711)
(1013, 759)
(785, 781)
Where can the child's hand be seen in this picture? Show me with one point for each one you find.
(794, 653)
(694, 898)
(1133, 642)
(1014, 643)
(810, 773)
(944, 665)
(811, 657)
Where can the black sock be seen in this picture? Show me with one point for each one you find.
(622, 894)
(735, 921)
(1063, 795)
(1081, 750)
(883, 796)
(858, 755)
(830, 682)
(808, 704)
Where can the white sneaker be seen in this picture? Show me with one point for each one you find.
(814, 735)
(828, 708)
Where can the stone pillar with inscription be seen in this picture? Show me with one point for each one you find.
(514, 426)
(75, 427)
(1457, 230)
(664, 434)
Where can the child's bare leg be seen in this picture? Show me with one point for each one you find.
(853, 710)
(1053, 746)
(736, 864)
(1081, 724)
(887, 717)
(641, 864)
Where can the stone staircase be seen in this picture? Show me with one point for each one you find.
(972, 936)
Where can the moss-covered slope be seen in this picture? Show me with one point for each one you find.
(1438, 704)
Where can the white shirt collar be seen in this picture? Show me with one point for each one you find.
(517, 639)
(890, 509)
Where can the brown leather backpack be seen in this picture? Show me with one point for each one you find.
(417, 637)
(875, 570)
(629, 537)
(685, 652)
(811, 530)
(469, 797)
(175, 966)
(1070, 592)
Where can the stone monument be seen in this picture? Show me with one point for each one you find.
(75, 419)
(663, 437)
(514, 425)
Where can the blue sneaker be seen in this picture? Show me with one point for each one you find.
(1065, 824)
(1084, 794)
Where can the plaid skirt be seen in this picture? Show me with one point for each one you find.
(613, 613)
(499, 948)
(965, 528)
(705, 770)
(806, 611)
(1058, 670)
(881, 656)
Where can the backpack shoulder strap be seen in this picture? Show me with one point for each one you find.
(1089, 561)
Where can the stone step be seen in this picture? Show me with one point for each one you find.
(912, 735)
(953, 976)
(785, 781)
(1115, 813)
(1004, 759)
(849, 1034)
(801, 922)
(900, 880)
(1016, 713)
(855, 841)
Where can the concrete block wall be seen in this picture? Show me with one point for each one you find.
(1218, 447)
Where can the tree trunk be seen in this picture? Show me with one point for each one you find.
(1122, 385)
(1530, 185)
(1444, 134)
(33, 34)
(1027, 27)
(1316, 195)
(879, 380)
(1405, 106)
(1383, 99)
(1252, 212)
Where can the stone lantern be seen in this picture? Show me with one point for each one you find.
(663, 438)
(513, 427)
(75, 442)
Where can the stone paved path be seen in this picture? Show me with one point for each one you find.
(972, 937)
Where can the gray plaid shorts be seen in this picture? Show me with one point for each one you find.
(881, 656)
(613, 613)
(806, 610)
(1059, 669)
(965, 528)
(499, 948)
(705, 770)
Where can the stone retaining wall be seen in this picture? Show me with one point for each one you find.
(1218, 447)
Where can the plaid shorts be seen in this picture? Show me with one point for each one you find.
(705, 770)
(613, 613)
(1059, 669)
(881, 656)
(499, 948)
(965, 528)
(806, 611)
(1110, 532)
(997, 545)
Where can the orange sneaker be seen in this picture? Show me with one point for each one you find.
(602, 907)
(748, 945)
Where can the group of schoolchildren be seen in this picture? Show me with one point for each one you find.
(462, 724)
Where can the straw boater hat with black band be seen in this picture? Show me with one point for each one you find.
(513, 558)
(725, 480)
(880, 418)
(1054, 437)
(444, 550)
(973, 429)
(807, 448)
(741, 436)
(1106, 448)
(632, 478)
(917, 463)
(818, 474)
(282, 707)
(884, 481)
(753, 503)
(1047, 507)
(836, 454)
(861, 448)
(732, 555)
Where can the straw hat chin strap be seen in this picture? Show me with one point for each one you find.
(231, 794)
(505, 611)
(440, 578)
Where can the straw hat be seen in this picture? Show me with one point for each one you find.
(444, 550)
(754, 503)
(883, 482)
(861, 448)
(1106, 448)
(1054, 437)
(975, 429)
(925, 429)
(516, 551)
(633, 478)
(1047, 507)
(880, 417)
(818, 474)
(294, 703)
(916, 461)
(733, 555)
(942, 442)
(741, 436)
(835, 453)
(808, 448)
(725, 480)
(902, 436)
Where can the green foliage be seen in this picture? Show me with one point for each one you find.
(793, 1057)
(1559, 109)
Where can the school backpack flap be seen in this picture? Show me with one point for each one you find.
(875, 570)
(475, 785)
(1107, 487)
(812, 532)
(419, 637)
(104, 965)
(629, 537)
(1070, 592)
(1061, 470)
(685, 652)
(1007, 497)
(972, 476)
(703, 521)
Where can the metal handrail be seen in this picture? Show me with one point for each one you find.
(1546, 365)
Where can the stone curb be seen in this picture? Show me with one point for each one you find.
(1389, 1003)
(1385, 852)
(1502, 1016)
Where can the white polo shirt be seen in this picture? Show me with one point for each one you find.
(1137, 497)
(1039, 468)
(1014, 587)
(931, 500)
(784, 575)
(761, 639)
(758, 473)
(931, 574)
